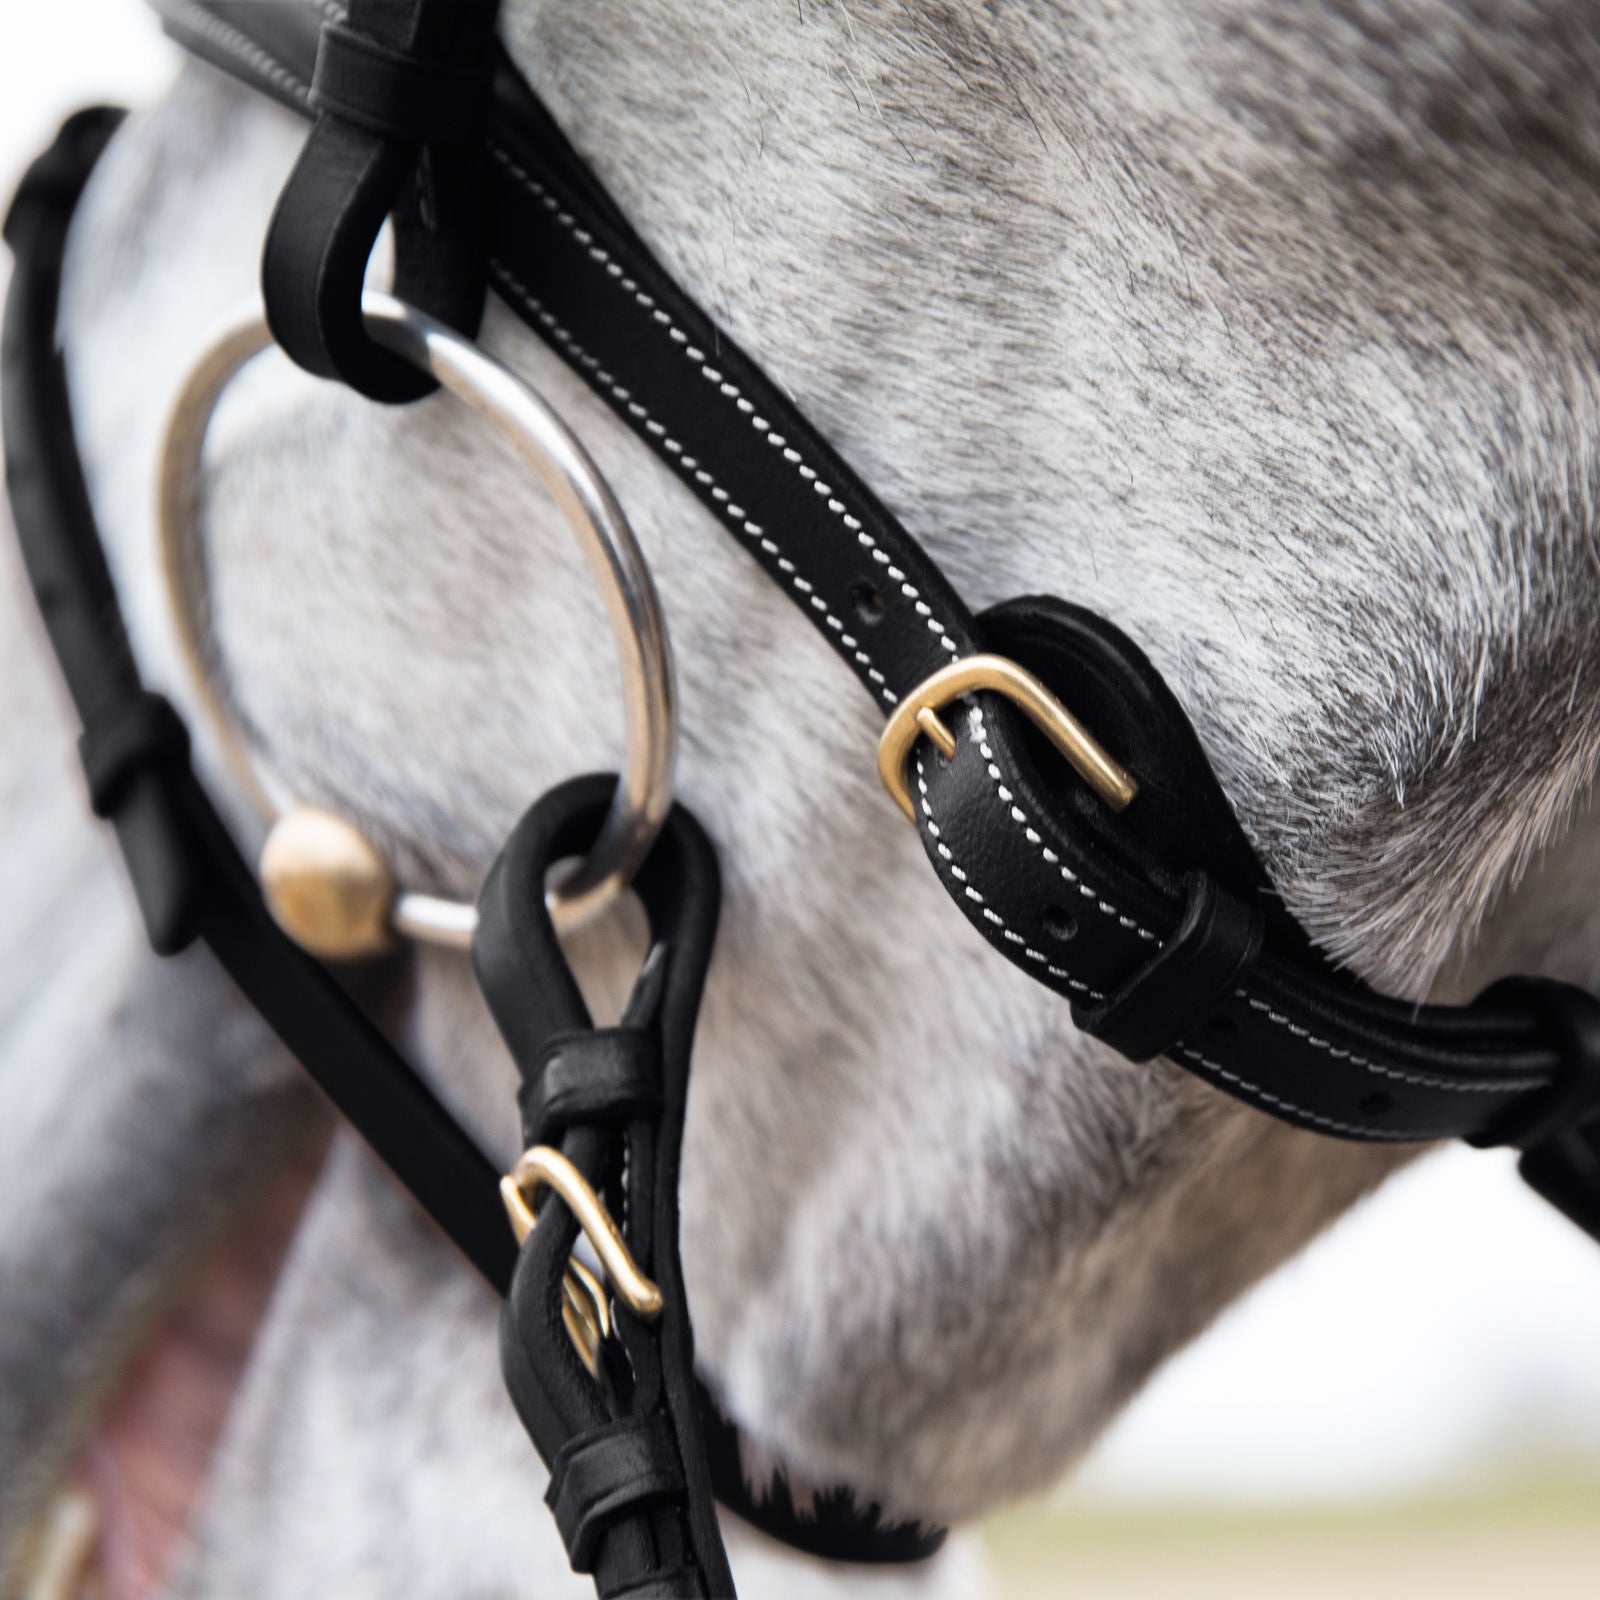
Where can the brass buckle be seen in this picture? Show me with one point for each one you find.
(584, 1309)
(585, 1313)
(918, 713)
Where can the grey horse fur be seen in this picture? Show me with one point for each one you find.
(1267, 329)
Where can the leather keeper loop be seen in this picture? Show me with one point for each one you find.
(679, 1581)
(1185, 981)
(126, 739)
(1558, 1129)
(396, 95)
(1570, 1016)
(608, 1474)
(599, 1075)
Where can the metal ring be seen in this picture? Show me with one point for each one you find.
(590, 509)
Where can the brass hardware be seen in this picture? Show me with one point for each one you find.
(330, 891)
(586, 502)
(585, 1313)
(541, 1167)
(585, 1309)
(931, 724)
(918, 713)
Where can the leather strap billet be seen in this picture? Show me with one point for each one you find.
(400, 91)
(1023, 848)
(630, 1483)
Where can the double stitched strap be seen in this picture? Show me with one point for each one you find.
(191, 884)
(1157, 924)
(630, 1485)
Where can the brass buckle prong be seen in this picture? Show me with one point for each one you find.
(933, 725)
(586, 1313)
(918, 713)
(545, 1168)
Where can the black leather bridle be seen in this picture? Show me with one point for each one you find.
(1154, 918)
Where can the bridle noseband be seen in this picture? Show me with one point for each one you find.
(1070, 796)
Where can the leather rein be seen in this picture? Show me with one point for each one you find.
(1068, 807)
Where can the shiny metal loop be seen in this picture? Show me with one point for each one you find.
(585, 1313)
(590, 509)
(918, 714)
(543, 1167)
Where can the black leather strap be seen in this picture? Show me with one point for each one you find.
(621, 1470)
(190, 880)
(1184, 981)
(399, 89)
(1024, 850)
(595, 1076)
(640, 1506)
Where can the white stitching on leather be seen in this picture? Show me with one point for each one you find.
(1385, 1135)
(715, 378)
(1390, 1135)
(231, 40)
(1018, 816)
(752, 529)
(1037, 956)
(1416, 1080)
(235, 43)
(1419, 1080)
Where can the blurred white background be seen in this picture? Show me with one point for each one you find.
(1448, 1329)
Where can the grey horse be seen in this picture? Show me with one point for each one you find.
(1266, 329)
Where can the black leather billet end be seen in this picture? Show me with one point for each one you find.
(1183, 983)
(155, 843)
(55, 178)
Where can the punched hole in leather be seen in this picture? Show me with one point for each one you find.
(1185, 981)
